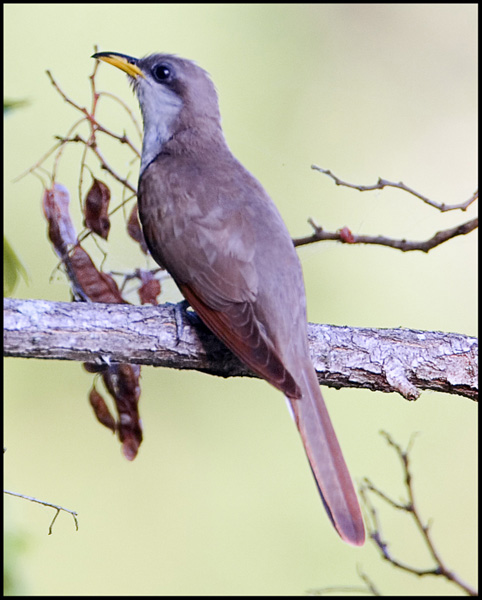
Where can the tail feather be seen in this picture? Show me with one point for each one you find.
(326, 460)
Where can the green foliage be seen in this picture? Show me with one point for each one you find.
(12, 269)
(9, 105)
(12, 266)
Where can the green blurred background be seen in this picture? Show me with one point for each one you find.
(220, 499)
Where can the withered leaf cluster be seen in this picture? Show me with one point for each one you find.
(90, 284)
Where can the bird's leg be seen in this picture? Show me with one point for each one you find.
(183, 312)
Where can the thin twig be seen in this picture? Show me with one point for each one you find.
(123, 139)
(369, 583)
(126, 108)
(40, 161)
(382, 183)
(103, 163)
(49, 504)
(411, 508)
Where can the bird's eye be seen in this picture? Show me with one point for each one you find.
(162, 73)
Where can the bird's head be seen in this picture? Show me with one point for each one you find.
(178, 100)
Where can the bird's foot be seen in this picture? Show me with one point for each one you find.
(183, 312)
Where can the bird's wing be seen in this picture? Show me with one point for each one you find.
(239, 329)
(210, 254)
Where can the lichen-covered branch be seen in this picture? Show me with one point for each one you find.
(388, 360)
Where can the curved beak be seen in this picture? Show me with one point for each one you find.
(125, 63)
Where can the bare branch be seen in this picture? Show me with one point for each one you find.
(388, 360)
(440, 568)
(49, 504)
(404, 245)
(346, 236)
(89, 116)
(103, 163)
(382, 183)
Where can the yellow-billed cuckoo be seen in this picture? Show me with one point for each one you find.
(210, 223)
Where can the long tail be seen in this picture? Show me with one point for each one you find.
(326, 460)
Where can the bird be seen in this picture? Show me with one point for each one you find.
(215, 229)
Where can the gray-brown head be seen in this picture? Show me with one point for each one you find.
(177, 99)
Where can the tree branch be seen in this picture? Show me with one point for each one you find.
(404, 245)
(410, 507)
(382, 183)
(388, 360)
(45, 503)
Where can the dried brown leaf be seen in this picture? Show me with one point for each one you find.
(61, 230)
(96, 286)
(96, 209)
(101, 410)
(122, 382)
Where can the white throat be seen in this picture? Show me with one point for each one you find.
(160, 108)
